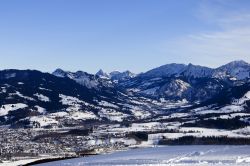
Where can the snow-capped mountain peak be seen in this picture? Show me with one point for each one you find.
(123, 95)
(238, 63)
(122, 76)
(197, 71)
(235, 64)
(166, 70)
(102, 74)
(59, 73)
(237, 69)
(113, 73)
(80, 77)
(176, 70)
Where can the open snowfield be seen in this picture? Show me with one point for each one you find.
(167, 156)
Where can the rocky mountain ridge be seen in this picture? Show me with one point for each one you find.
(31, 98)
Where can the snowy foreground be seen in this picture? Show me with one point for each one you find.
(168, 155)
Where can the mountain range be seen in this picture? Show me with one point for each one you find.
(31, 98)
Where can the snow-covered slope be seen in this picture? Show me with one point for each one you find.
(32, 98)
(121, 96)
(167, 156)
(80, 77)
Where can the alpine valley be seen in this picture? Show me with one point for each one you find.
(65, 113)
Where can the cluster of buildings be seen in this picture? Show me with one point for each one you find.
(33, 143)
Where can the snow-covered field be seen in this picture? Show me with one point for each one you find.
(167, 156)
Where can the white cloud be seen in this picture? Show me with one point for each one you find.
(230, 42)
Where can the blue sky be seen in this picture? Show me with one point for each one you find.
(122, 34)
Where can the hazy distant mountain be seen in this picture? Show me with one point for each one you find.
(121, 76)
(190, 82)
